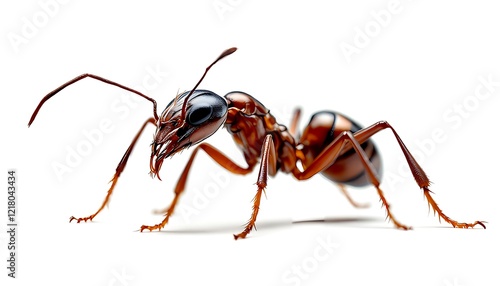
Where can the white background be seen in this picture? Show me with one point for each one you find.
(413, 70)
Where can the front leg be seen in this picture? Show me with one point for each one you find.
(215, 154)
(267, 165)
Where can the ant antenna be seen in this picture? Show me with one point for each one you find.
(223, 55)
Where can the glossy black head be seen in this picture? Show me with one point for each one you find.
(190, 118)
(178, 129)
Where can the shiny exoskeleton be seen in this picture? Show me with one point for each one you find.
(331, 144)
(322, 129)
(256, 122)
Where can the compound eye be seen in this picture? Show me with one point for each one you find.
(199, 114)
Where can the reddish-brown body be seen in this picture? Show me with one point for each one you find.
(322, 129)
(331, 144)
(249, 122)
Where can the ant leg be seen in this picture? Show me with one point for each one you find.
(267, 165)
(361, 136)
(119, 170)
(353, 203)
(417, 171)
(216, 155)
(295, 123)
(330, 155)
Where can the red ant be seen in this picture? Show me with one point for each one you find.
(332, 144)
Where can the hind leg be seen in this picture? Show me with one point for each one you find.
(347, 141)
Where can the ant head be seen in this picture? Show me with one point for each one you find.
(177, 130)
(189, 118)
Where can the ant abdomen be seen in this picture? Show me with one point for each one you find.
(323, 128)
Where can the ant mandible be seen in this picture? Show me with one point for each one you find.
(332, 144)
